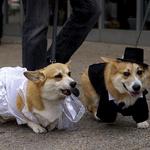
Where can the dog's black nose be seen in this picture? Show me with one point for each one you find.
(136, 87)
(73, 84)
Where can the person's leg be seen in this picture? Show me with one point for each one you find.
(1, 19)
(84, 16)
(35, 27)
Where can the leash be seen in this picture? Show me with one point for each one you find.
(144, 20)
(54, 33)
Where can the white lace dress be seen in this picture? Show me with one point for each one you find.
(12, 81)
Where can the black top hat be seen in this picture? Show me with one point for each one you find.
(134, 55)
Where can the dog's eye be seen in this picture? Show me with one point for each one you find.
(126, 74)
(69, 74)
(139, 72)
(58, 76)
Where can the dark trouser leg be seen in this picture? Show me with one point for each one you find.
(140, 110)
(106, 111)
(1, 18)
(84, 16)
(35, 27)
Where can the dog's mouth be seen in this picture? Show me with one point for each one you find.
(132, 93)
(66, 92)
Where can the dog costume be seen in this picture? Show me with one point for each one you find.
(13, 82)
(107, 108)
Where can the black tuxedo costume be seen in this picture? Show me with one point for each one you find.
(107, 110)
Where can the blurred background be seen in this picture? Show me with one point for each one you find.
(120, 20)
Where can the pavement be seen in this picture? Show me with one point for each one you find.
(88, 133)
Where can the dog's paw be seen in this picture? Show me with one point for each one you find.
(39, 129)
(143, 125)
(36, 128)
(95, 116)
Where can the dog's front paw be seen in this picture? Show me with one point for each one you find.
(36, 128)
(143, 125)
(95, 116)
(39, 129)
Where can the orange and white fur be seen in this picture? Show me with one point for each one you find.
(119, 78)
(45, 90)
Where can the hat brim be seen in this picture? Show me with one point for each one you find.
(133, 61)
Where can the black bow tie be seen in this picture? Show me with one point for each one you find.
(121, 105)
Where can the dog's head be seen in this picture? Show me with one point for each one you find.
(126, 77)
(54, 81)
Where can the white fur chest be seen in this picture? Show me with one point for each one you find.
(52, 112)
(127, 101)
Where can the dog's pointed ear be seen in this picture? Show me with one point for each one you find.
(68, 63)
(114, 67)
(108, 60)
(35, 76)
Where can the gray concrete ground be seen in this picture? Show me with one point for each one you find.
(89, 134)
